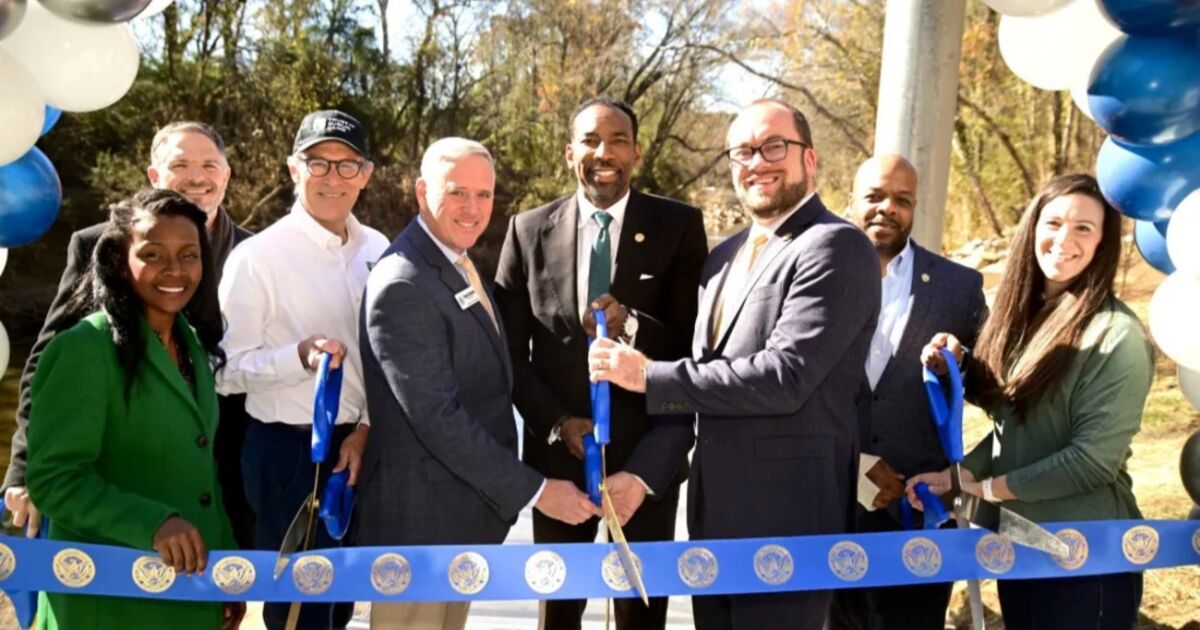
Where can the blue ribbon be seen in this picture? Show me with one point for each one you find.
(337, 504)
(25, 603)
(701, 567)
(593, 468)
(326, 398)
(935, 512)
(601, 397)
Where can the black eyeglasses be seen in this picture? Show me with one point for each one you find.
(346, 169)
(771, 151)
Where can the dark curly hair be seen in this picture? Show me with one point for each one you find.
(106, 284)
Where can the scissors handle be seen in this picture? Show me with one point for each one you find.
(947, 407)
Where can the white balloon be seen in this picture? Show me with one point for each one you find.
(1024, 7)
(156, 7)
(3, 259)
(1189, 384)
(21, 110)
(1173, 310)
(79, 67)
(3, 351)
(1056, 50)
(1183, 234)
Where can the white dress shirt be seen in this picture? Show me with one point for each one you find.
(893, 313)
(293, 280)
(587, 230)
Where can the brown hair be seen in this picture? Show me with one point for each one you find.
(798, 118)
(1028, 341)
(203, 129)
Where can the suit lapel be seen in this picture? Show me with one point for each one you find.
(921, 295)
(708, 301)
(631, 252)
(160, 362)
(559, 251)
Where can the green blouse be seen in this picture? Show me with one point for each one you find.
(1067, 461)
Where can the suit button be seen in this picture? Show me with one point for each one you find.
(205, 500)
(202, 441)
(876, 397)
(875, 440)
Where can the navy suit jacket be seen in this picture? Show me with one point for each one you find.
(896, 424)
(441, 463)
(777, 393)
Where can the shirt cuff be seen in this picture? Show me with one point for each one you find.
(536, 495)
(649, 490)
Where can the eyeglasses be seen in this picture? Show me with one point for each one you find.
(319, 167)
(771, 151)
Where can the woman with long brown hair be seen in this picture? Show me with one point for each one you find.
(1063, 368)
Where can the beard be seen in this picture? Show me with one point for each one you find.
(890, 248)
(782, 201)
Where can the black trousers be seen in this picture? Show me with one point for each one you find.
(654, 520)
(277, 464)
(227, 449)
(769, 611)
(1094, 602)
(918, 607)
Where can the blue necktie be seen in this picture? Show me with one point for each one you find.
(600, 269)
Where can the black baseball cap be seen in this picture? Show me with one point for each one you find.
(331, 124)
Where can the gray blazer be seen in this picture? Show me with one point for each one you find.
(895, 423)
(776, 395)
(441, 463)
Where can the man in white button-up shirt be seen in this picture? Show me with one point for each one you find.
(289, 295)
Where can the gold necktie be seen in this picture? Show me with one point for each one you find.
(477, 287)
(735, 281)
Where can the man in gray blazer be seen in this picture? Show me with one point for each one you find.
(922, 294)
(787, 310)
(441, 466)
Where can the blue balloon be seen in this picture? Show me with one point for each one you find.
(52, 116)
(30, 196)
(1147, 182)
(1146, 90)
(1151, 241)
(1152, 17)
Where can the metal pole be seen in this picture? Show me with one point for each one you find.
(918, 94)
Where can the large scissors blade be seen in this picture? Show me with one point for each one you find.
(1012, 526)
(632, 570)
(297, 535)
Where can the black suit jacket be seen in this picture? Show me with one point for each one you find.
(895, 423)
(58, 319)
(659, 257)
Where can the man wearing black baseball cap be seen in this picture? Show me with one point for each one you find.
(290, 295)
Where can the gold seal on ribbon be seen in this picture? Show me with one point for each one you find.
(312, 575)
(152, 575)
(1077, 549)
(74, 568)
(773, 564)
(8, 562)
(613, 571)
(545, 572)
(391, 573)
(1140, 544)
(698, 567)
(468, 573)
(995, 553)
(922, 557)
(233, 575)
(848, 560)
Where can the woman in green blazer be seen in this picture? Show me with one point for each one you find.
(1063, 368)
(124, 415)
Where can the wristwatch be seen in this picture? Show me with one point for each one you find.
(629, 331)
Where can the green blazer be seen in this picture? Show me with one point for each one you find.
(110, 471)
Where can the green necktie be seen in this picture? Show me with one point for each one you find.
(600, 269)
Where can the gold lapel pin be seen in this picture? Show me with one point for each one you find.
(639, 237)
(924, 277)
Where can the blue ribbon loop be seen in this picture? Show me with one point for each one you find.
(326, 399)
(337, 504)
(601, 396)
(935, 512)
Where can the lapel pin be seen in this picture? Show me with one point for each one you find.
(924, 277)
(639, 237)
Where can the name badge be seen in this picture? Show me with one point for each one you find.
(466, 298)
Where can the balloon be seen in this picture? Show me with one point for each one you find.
(1183, 234)
(1037, 51)
(79, 67)
(21, 110)
(1189, 385)
(1080, 96)
(30, 196)
(1146, 90)
(1147, 182)
(1152, 17)
(52, 116)
(11, 12)
(3, 351)
(3, 259)
(1151, 241)
(97, 11)
(1173, 310)
(1026, 8)
(1189, 466)
(156, 7)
